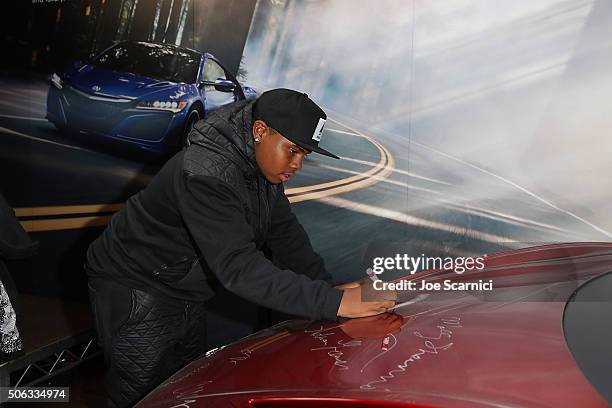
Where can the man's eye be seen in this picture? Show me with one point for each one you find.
(293, 151)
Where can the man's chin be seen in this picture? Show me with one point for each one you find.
(274, 180)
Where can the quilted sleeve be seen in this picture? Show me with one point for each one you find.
(290, 244)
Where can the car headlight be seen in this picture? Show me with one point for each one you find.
(172, 106)
(57, 81)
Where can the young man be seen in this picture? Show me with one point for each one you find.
(207, 214)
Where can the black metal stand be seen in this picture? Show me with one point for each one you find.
(57, 335)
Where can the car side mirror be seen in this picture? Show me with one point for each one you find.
(224, 85)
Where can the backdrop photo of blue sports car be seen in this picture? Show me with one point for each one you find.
(143, 94)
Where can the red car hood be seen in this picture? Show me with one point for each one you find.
(453, 350)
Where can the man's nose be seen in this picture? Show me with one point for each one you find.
(296, 164)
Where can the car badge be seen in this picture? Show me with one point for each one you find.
(96, 88)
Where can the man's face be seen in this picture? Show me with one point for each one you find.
(278, 158)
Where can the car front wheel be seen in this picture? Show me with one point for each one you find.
(194, 115)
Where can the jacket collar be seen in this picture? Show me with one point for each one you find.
(228, 131)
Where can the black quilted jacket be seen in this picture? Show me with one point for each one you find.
(209, 211)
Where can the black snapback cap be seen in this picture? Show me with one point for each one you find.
(295, 116)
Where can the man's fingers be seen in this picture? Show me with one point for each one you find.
(353, 284)
(375, 312)
(386, 304)
(382, 295)
(356, 303)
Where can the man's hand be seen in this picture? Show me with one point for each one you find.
(353, 284)
(373, 327)
(352, 306)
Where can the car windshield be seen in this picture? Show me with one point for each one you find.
(159, 61)
(587, 323)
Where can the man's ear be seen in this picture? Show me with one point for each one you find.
(260, 129)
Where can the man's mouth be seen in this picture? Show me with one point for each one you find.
(286, 176)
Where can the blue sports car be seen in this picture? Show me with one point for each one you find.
(146, 94)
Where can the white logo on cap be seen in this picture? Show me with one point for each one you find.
(318, 130)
